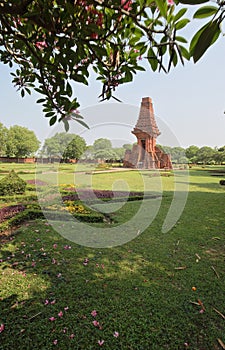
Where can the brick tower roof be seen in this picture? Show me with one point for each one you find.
(146, 120)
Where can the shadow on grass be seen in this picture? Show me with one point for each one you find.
(142, 290)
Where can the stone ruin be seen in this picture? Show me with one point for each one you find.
(145, 154)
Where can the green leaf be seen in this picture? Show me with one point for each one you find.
(181, 39)
(207, 37)
(52, 120)
(41, 100)
(128, 77)
(80, 79)
(22, 93)
(142, 69)
(82, 123)
(162, 6)
(152, 59)
(184, 52)
(182, 23)
(49, 114)
(28, 91)
(66, 125)
(195, 38)
(205, 11)
(180, 14)
(69, 90)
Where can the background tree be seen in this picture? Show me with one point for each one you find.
(120, 152)
(219, 155)
(102, 143)
(75, 148)
(3, 138)
(191, 153)
(21, 142)
(128, 146)
(205, 155)
(55, 42)
(102, 149)
(64, 145)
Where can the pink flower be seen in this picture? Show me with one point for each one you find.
(116, 334)
(66, 308)
(52, 319)
(85, 261)
(72, 336)
(54, 245)
(95, 323)
(55, 342)
(94, 313)
(46, 302)
(67, 247)
(101, 342)
(126, 4)
(40, 45)
(170, 2)
(94, 35)
(59, 275)
(2, 327)
(202, 311)
(53, 302)
(60, 314)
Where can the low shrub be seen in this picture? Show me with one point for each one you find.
(104, 166)
(222, 182)
(12, 184)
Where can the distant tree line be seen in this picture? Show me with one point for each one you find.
(18, 141)
(65, 145)
(196, 155)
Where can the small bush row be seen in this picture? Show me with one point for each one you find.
(31, 214)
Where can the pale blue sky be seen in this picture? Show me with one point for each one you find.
(190, 100)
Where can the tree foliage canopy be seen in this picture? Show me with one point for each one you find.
(64, 145)
(21, 142)
(53, 43)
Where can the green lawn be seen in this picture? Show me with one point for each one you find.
(142, 291)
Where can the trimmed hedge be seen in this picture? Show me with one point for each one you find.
(12, 184)
(31, 214)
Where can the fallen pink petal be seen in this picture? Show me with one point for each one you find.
(52, 319)
(116, 334)
(101, 342)
(94, 313)
(60, 314)
(2, 327)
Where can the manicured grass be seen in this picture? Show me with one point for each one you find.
(143, 289)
